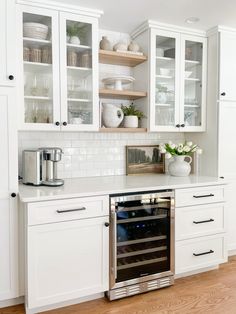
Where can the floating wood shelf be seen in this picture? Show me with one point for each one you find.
(123, 130)
(121, 94)
(120, 58)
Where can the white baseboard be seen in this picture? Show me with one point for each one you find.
(12, 302)
(63, 304)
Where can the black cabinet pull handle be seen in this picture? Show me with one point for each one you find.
(64, 123)
(182, 125)
(203, 221)
(13, 194)
(57, 123)
(200, 196)
(178, 125)
(11, 77)
(106, 224)
(223, 94)
(204, 253)
(61, 211)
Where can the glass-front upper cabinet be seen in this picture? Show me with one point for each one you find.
(194, 87)
(178, 82)
(79, 72)
(40, 62)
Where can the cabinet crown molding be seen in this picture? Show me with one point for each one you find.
(168, 27)
(62, 7)
(220, 28)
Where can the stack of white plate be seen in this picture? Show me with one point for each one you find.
(35, 30)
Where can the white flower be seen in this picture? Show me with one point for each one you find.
(180, 149)
(168, 155)
(189, 143)
(172, 146)
(181, 146)
(199, 151)
(186, 148)
(162, 150)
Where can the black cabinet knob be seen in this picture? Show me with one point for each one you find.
(106, 224)
(223, 94)
(178, 125)
(64, 123)
(13, 194)
(57, 123)
(11, 77)
(222, 177)
(182, 125)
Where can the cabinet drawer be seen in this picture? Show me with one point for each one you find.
(69, 209)
(195, 221)
(200, 195)
(199, 253)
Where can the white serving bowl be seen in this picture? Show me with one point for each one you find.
(187, 74)
(35, 30)
(164, 71)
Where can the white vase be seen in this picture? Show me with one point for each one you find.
(130, 121)
(112, 116)
(75, 40)
(179, 167)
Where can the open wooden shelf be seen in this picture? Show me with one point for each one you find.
(123, 130)
(120, 58)
(121, 94)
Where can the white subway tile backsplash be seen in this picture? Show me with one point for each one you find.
(91, 154)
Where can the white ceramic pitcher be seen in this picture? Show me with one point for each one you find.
(112, 116)
(179, 167)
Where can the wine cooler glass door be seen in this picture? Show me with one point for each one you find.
(142, 237)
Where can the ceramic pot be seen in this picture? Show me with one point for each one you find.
(120, 46)
(75, 40)
(105, 44)
(130, 121)
(179, 167)
(161, 97)
(133, 47)
(112, 116)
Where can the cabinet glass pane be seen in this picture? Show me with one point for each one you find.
(193, 83)
(165, 81)
(79, 72)
(37, 55)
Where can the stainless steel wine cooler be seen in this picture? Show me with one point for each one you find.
(141, 243)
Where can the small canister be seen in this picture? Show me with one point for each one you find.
(26, 54)
(86, 60)
(36, 55)
(72, 58)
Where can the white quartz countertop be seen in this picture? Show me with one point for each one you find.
(91, 186)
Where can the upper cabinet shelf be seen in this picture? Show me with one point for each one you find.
(121, 94)
(120, 58)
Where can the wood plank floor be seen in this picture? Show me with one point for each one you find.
(213, 292)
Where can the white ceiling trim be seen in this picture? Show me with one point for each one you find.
(62, 7)
(168, 27)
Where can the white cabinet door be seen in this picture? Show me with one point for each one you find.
(39, 69)
(8, 247)
(164, 78)
(67, 260)
(193, 84)
(8, 140)
(7, 40)
(227, 65)
(79, 72)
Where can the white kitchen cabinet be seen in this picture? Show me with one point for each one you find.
(59, 78)
(200, 228)
(8, 193)
(177, 78)
(227, 65)
(66, 250)
(7, 40)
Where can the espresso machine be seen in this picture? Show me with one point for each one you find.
(40, 166)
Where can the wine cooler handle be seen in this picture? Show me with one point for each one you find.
(114, 245)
